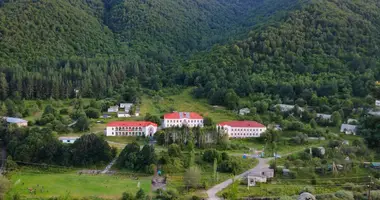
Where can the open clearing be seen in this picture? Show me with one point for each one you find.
(184, 102)
(74, 185)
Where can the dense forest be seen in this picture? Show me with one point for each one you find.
(323, 54)
(292, 51)
(50, 48)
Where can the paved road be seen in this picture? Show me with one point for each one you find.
(263, 163)
(105, 171)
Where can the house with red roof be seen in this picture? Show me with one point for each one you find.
(179, 119)
(131, 128)
(242, 129)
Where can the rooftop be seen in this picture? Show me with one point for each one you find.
(15, 120)
(68, 138)
(242, 124)
(131, 123)
(182, 115)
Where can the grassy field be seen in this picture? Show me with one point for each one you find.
(184, 102)
(70, 183)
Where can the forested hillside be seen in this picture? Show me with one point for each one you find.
(309, 52)
(50, 47)
(325, 53)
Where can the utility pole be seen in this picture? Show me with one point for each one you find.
(369, 187)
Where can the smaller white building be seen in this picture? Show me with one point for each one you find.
(323, 116)
(123, 114)
(377, 103)
(348, 129)
(244, 111)
(113, 109)
(131, 128)
(287, 107)
(241, 129)
(68, 140)
(126, 105)
(260, 177)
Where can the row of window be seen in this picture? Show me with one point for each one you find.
(189, 121)
(127, 128)
(128, 134)
(179, 125)
(245, 134)
(248, 129)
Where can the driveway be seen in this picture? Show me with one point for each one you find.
(263, 163)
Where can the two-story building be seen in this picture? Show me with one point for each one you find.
(131, 128)
(241, 129)
(179, 119)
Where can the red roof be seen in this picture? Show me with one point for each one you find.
(182, 115)
(131, 123)
(242, 124)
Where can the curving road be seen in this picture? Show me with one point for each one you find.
(263, 163)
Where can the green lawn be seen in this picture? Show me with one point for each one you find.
(61, 184)
(184, 102)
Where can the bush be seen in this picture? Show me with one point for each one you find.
(210, 154)
(375, 195)
(64, 111)
(346, 195)
(309, 189)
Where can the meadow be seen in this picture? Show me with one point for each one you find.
(74, 185)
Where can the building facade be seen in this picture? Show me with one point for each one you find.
(179, 119)
(113, 109)
(131, 128)
(242, 129)
(68, 140)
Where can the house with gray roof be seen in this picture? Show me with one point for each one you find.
(18, 121)
(324, 116)
(287, 107)
(244, 111)
(348, 129)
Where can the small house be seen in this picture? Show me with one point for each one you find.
(324, 116)
(68, 140)
(286, 172)
(113, 109)
(375, 165)
(105, 116)
(123, 114)
(287, 108)
(345, 142)
(18, 121)
(260, 177)
(377, 103)
(348, 129)
(244, 111)
(322, 150)
(126, 105)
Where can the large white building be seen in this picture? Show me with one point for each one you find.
(131, 128)
(179, 119)
(242, 129)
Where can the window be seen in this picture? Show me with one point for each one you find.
(68, 140)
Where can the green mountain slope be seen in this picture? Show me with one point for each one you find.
(52, 29)
(50, 47)
(324, 53)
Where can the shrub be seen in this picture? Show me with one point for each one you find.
(346, 195)
(210, 154)
(309, 189)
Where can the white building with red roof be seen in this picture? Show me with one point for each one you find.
(242, 129)
(131, 128)
(179, 119)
